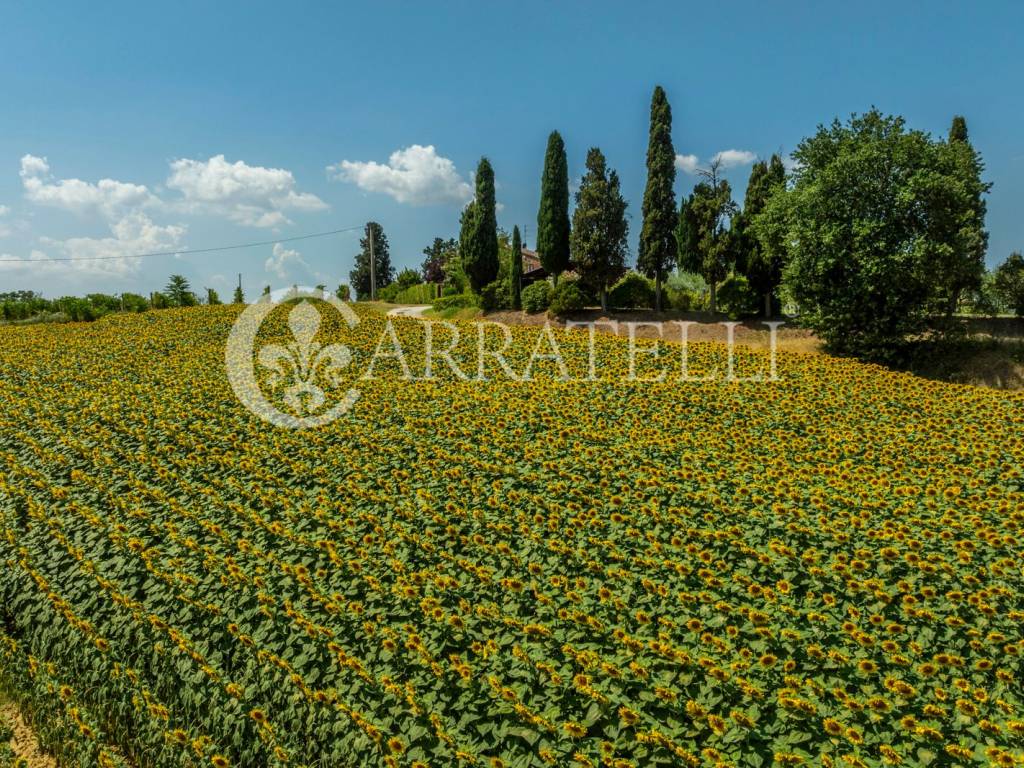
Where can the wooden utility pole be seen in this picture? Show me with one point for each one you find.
(373, 265)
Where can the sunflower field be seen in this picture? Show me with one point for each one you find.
(826, 569)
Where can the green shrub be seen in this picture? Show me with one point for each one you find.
(455, 280)
(407, 278)
(104, 303)
(536, 297)
(15, 310)
(567, 297)
(133, 302)
(458, 301)
(686, 291)
(737, 299)
(495, 296)
(421, 293)
(1008, 283)
(388, 293)
(685, 301)
(984, 300)
(633, 291)
(80, 310)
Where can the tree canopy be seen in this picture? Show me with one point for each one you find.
(1008, 283)
(760, 255)
(179, 293)
(705, 242)
(877, 222)
(960, 267)
(515, 277)
(658, 236)
(359, 277)
(553, 214)
(599, 227)
(436, 256)
(478, 241)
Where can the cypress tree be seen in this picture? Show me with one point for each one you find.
(964, 266)
(776, 171)
(744, 243)
(359, 277)
(687, 256)
(763, 258)
(467, 224)
(958, 130)
(516, 272)
(478, 239)
(600, 228)
(657, 237)
(553, 214)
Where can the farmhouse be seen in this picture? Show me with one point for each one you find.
(534, 271)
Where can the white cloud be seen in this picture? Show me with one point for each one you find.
(791, 164)
(34, 166)
(416, 175)
(135, 233)
(110, 198)
(687, 163)
(4, 210)
(733, 158)
(246, 194)
(727, 158)
(282, 259)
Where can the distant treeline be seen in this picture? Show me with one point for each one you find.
(29, 306)
(871, 231)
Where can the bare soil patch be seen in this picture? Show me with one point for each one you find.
(24, 743)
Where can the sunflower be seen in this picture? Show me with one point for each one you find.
(575, 730)
(832, 727)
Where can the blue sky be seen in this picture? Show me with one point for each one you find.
(132, 127)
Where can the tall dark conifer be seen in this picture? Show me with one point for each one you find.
(359, 278)
(553, 214)
(657, 237)
(478, 240)
(744, 244)
(958, 130)
(962, 270)
(599, 228)
(761, 261)
(515, 276)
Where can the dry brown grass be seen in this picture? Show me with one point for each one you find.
(990, 355)
(703, 327)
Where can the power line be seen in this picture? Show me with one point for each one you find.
(190, 250)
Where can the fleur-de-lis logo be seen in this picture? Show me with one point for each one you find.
(299, 365)
(296, 370)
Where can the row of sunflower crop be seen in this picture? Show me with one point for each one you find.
(823, 569)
